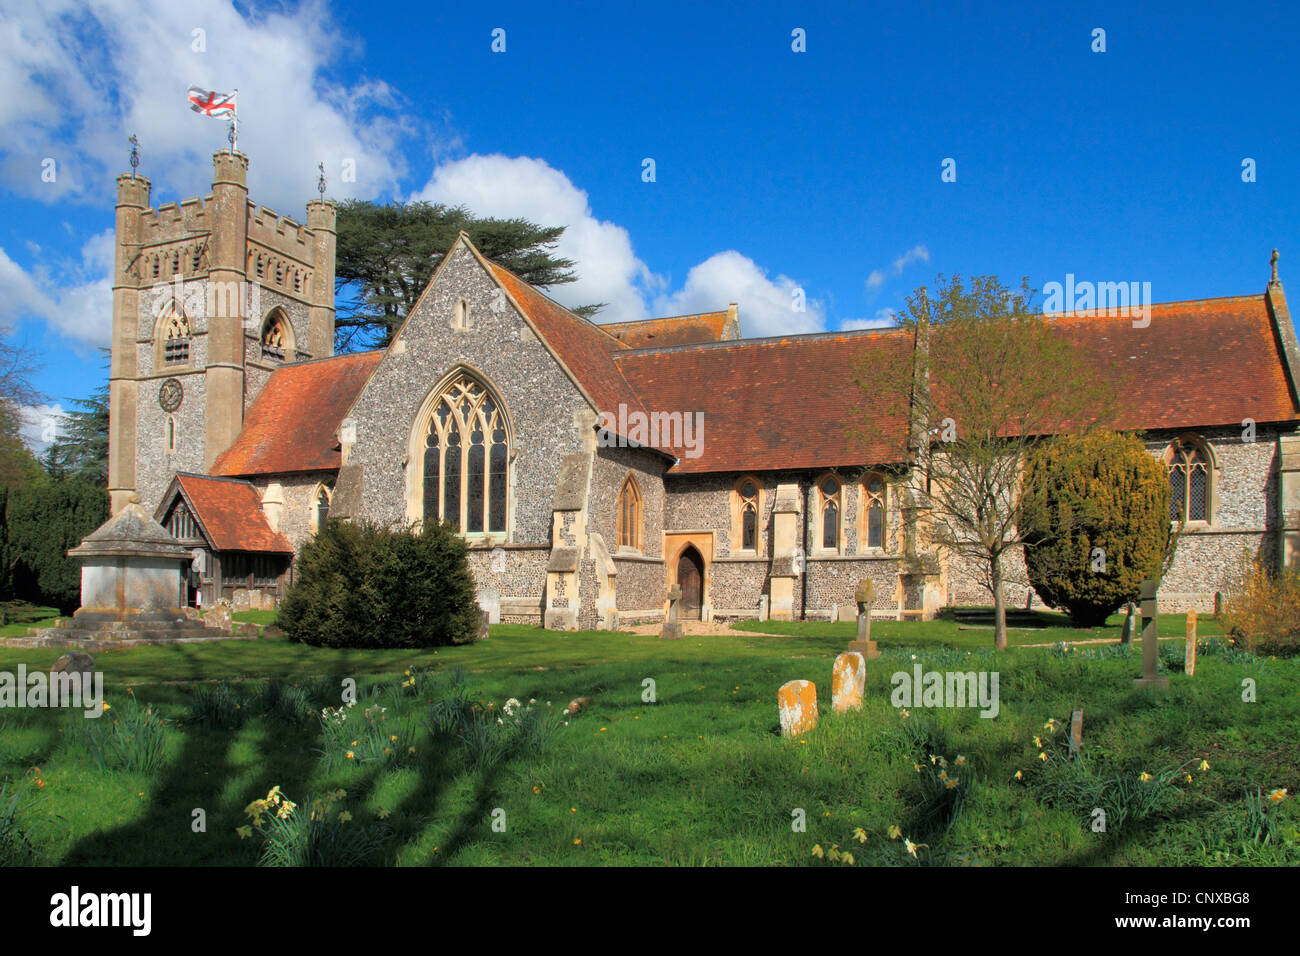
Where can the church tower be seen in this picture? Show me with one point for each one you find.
(210, 296)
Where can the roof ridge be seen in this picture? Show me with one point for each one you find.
(195, 474)
(764, 340)
(665, 318)
(1114, 313)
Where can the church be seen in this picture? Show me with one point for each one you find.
(592, 467)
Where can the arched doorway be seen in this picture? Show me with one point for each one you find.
(690, 578)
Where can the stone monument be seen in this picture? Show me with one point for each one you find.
(1150, 641)
(672, 627)
(865, 595)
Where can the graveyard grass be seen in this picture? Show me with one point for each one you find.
(699, 777)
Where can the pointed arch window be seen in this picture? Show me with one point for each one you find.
(1190, 473)
(277, 337)
(829, 493)
(747, 504)
(175, 338)
(466, 459)
(320, 506)
(875, 504)
(629, 515)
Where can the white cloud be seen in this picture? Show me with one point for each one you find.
(767, 306)
(522, 187)
(608, 268)
(77, 77)
(40, 426)
(917, 253)
(79, 300)
(883, 319)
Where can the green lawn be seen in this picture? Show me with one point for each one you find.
(700, 776)
(19, 616)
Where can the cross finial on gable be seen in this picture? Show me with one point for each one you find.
(1273, 261)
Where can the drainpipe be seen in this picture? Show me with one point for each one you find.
(805, 489)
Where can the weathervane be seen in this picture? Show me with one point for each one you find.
(321, 181)
(135, 153)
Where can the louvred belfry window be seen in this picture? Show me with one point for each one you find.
(466, 460)
(1189, 482)
(176, 339)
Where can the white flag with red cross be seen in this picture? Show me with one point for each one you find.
(212, 104)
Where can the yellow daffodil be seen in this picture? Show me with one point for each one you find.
(1277, 796)
(350, 755)
(953, 782)
(577, 842)
(894, 832)
(107, 705)
(344, 816)
(1145, 777)
(1205, 765)
(1051, 724)
(911, 847)
(1042, 755)
(1189, 778)
(383, 813)
(960, 760)
(860, 835)
(1038, 742)
(817, 851)
(244, 832)
(1019, 775)
(846, 858)
(904, 713)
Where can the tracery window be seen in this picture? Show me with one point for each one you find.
(466, 459)
(1189, 481)
(875, 501)
(828, 491)
(629, 515)
(747, 512)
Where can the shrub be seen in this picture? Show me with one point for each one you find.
(1262, 612)
(1100, 490)
(360, 585)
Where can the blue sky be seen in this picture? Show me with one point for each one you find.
(775, 170)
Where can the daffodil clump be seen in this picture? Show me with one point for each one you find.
(323, 836)
(373, 736)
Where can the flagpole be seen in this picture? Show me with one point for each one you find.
(234, 126)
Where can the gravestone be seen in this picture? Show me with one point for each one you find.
(797, 703)
(1189, 650)
(74, 662)
(1150, 641)
(218, 617)
(1076, 732)
(489, 600)
(762, 607)
(672, 627)
(1130, 625)
(482, 634)
(848, 680)
(865, 595)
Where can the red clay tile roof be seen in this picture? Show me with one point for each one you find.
(675, 330)
(772, 404)
(1199, 363)
(582, 346)
(293, 422)
(230, 514)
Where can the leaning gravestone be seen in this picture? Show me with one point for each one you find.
(74, 662)
(848, 680)
(797, 703)
(672, 627)
(490, 600)
(1130, 624)
(1150, 640)
(865, 595)
(1189, 650)
(483, 619)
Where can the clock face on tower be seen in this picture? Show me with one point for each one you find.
(169, 395)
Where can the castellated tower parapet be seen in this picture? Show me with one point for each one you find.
(210, 296)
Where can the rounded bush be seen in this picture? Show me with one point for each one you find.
(1095, 522)
(361, 585)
